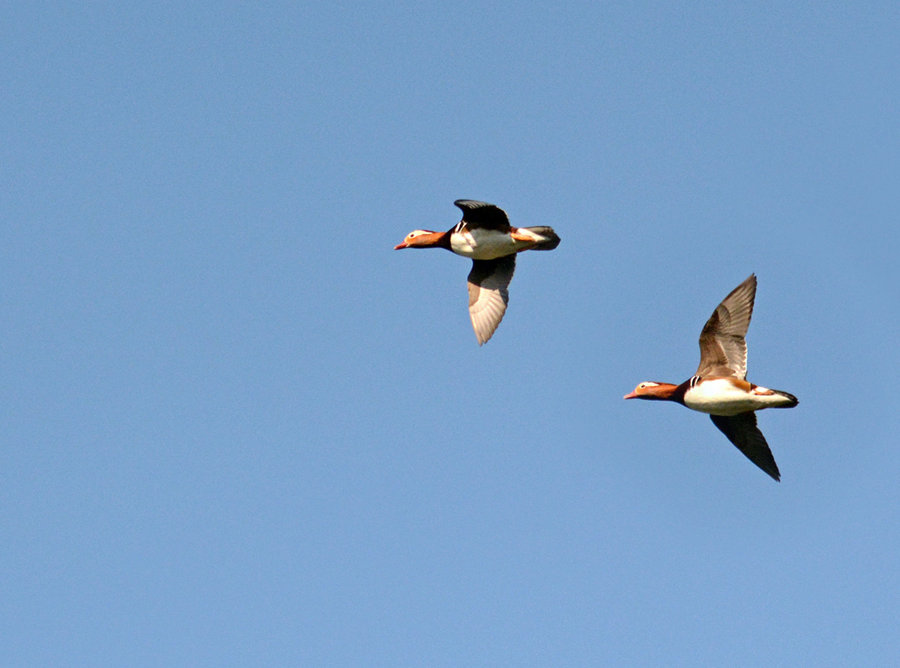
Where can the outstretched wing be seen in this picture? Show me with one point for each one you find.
(488, 294)
(723, 350)
(483, 215)
(743, 432)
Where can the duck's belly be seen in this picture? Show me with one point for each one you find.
(484, 244)
(723, 397)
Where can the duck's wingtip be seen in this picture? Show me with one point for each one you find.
(466, 204)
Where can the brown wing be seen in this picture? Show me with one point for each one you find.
(743, 432)
(723, 350)
(483, 215)
(488, 294)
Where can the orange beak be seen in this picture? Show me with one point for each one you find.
(402, 244)
(630, 395)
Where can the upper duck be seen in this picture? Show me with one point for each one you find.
(485, 235)
(719, 387)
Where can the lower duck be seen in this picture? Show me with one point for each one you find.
(719, 387)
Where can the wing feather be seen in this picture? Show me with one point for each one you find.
(488, 294)
(723, 349)
(483, 215)
(743, 432)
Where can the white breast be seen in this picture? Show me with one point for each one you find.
(722, 397)
(481, 244)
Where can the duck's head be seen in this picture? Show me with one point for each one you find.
(650, 389)
(421, 239)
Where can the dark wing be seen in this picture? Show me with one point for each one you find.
(743, 432)
(723, 350)
(488, 294)
(483, 215)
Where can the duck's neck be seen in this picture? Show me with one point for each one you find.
(667, 392)
(435, 240)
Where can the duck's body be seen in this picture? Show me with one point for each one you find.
(482, 244)
(720, 388)
(485, 236)
(732, 396)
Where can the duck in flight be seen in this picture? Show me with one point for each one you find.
(719, 387)
(485, 235)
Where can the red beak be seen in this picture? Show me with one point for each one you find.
(402, 244)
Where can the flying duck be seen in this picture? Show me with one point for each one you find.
(485, 235)
(719, 387)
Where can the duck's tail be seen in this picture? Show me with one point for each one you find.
(770, 398)
(548, 238)
(789, 400)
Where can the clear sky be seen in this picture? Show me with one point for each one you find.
(239, 429)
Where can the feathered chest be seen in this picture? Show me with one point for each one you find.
(483, 244)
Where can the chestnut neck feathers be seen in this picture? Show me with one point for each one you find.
(654, 391)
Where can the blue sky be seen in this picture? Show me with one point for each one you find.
(240, 430)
